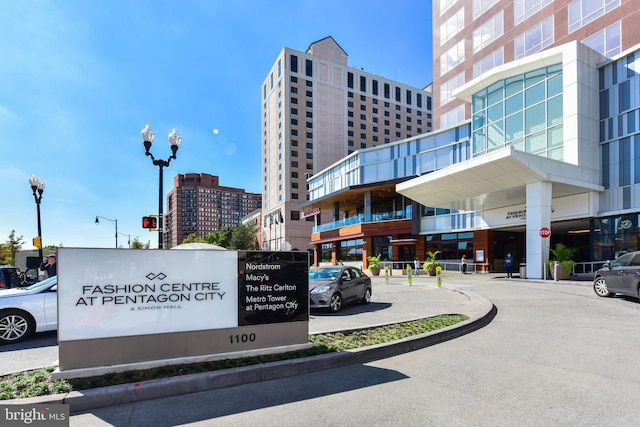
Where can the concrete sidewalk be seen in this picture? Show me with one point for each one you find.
(394, 301)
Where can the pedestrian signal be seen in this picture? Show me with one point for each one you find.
(149, 222)
(37, 242)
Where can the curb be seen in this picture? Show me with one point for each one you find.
(79, 401)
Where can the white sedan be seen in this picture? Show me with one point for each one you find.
(25, 311)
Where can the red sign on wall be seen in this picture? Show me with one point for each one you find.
(545, 232)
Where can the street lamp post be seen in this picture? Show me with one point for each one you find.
(128, 238)
(112, 220)
(37, 185)
(174, 141)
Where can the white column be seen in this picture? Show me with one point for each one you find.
(538, 216)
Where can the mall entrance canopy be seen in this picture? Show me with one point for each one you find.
(508, 177)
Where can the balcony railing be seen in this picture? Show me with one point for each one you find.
(361, 219)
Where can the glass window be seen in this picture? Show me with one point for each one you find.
(554, 85)
(481, 6)
(581, 12)
(452, 26)
(308, 67)
(527, 111)
(490, 61)
(536, 143)
(624, 95)
(514, 126)
(495, 135)
(495, 93)
(495, 112)
(554, 111)
(446, 90)
(534, 119)
(554, 137)
(607, 41)
(514, 103)
(479, 100)
(294, 64)
(513, 85)
(451, 58)
(534, 94)
(523, 9)
(534, 39)
(445, 5)
(488, 31)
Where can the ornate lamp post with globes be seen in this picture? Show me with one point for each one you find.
(174, 141)
(37, 185)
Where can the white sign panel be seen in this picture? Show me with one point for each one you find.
(120, 292)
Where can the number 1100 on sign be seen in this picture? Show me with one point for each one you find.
(238, 338)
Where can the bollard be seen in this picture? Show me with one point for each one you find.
(556, 271)
(409, 278)
(439, 276)
(386, 274)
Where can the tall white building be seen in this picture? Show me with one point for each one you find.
(316, 109)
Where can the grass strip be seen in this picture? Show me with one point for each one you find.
(38, 382)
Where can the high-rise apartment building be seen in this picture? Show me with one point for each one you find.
(472, 37)
(316, 110)
(199, 205)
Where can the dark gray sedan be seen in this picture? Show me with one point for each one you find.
(621, 276)
(333, 287)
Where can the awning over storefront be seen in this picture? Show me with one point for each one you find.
(497, 180)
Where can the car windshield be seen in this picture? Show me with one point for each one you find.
(42, 284)
(324, 273)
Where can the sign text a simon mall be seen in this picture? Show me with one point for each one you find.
(120, 306)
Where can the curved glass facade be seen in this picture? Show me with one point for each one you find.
(524, 111)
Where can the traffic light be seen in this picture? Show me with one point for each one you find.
(37, 242)
(149, 222)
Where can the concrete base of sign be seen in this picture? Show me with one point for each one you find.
(103, 370)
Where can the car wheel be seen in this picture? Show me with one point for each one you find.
(600, 287)
(15, 326)
(366, 298)
(336, 302)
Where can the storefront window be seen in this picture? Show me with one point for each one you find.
(326, 252)
(351, 250)
(382, 246)
(614, 236)
(451, 245)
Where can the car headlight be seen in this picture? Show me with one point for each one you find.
(321, 289)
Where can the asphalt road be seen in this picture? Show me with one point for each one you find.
(555, 354)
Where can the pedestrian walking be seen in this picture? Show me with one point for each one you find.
(463, 264)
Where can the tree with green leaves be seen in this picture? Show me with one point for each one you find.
(244, 237)
(9, 248)
(221, 237)
(137, 244)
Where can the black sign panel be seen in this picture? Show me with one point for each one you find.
(273, 287)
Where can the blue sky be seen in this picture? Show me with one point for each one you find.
(79, 79)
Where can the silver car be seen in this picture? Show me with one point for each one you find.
(333, 287)
(621, 276)
(25, 311)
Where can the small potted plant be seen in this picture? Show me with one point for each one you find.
(374, 264)
(563, 255)
(430, 263)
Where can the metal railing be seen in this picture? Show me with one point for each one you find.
(362, 218)
(472, 267)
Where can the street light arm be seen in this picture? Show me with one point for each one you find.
(112, 220)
